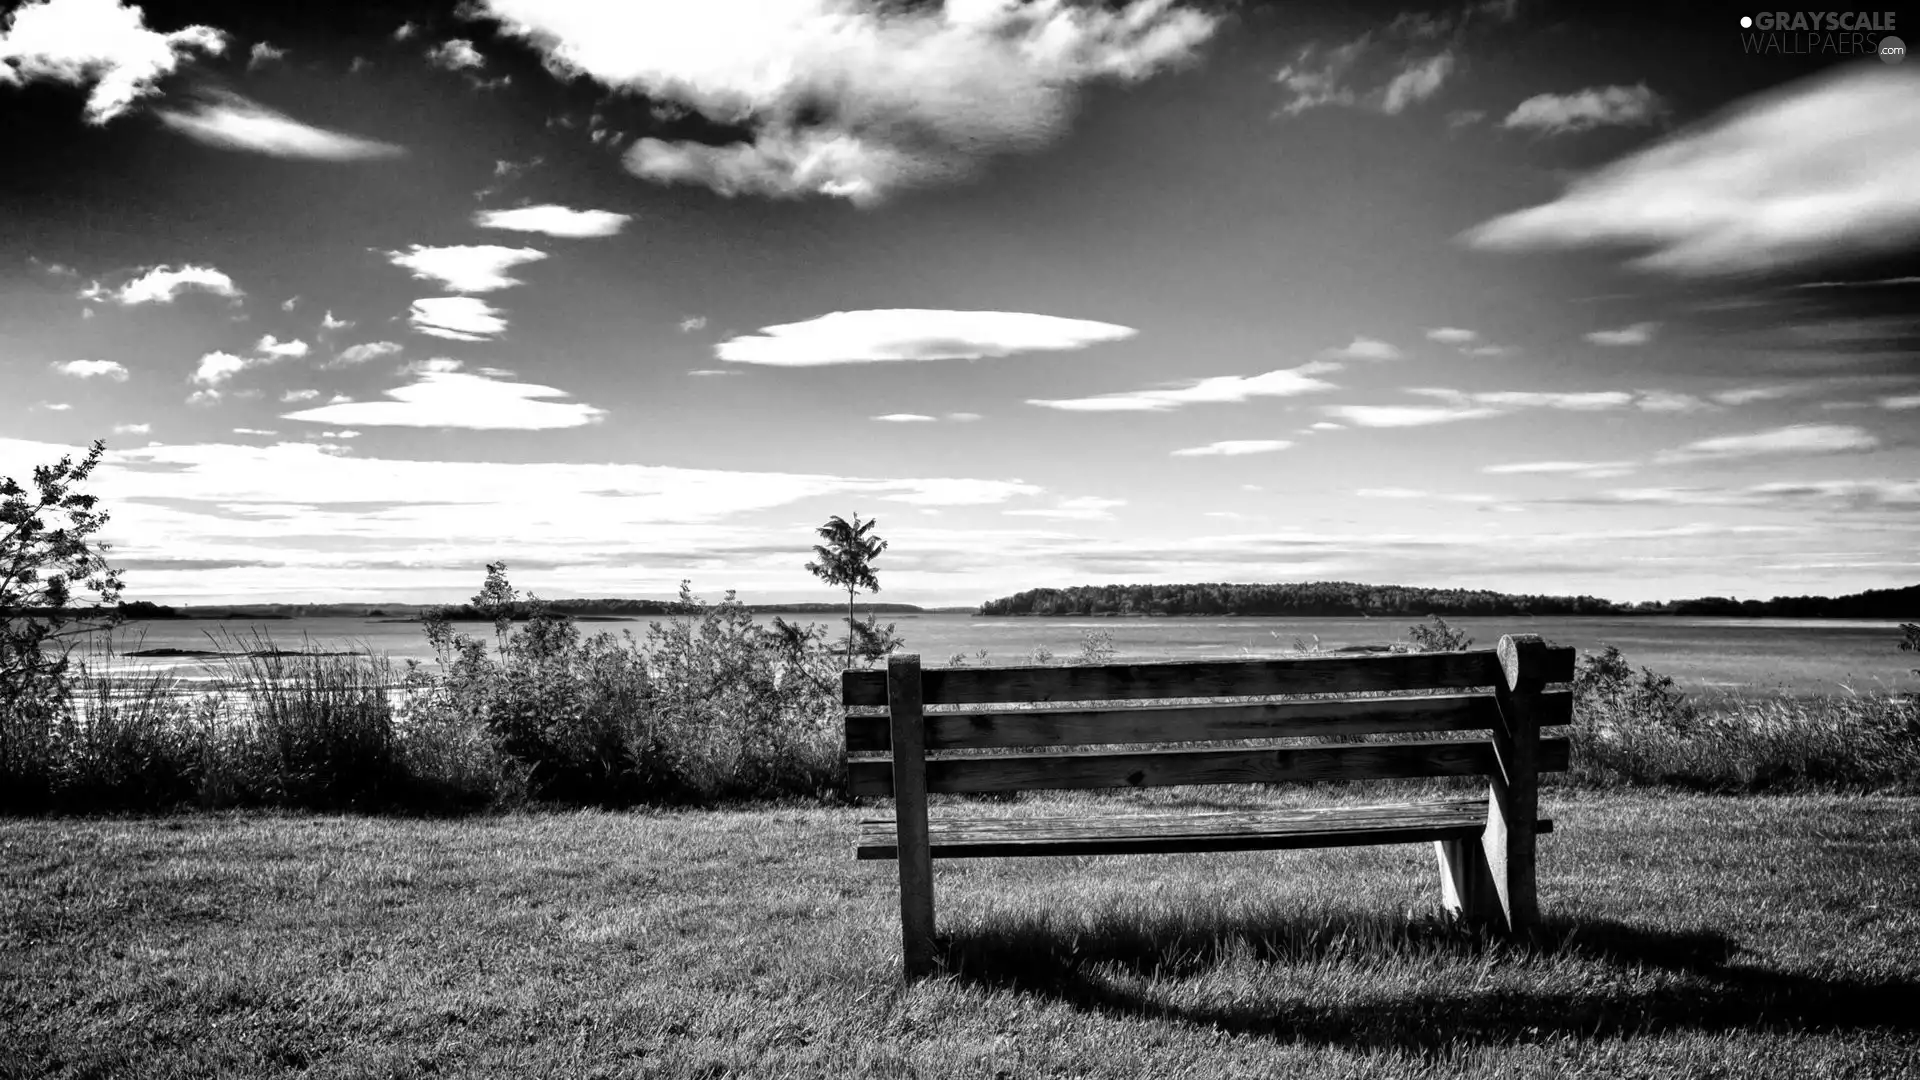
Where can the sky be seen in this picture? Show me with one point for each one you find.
(1514, 294)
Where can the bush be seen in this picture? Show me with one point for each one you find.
(1437, 636)
(713, 706)
(1638, 728)
(1096, 646)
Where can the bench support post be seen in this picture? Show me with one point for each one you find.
(1498, 887)
(908, 730)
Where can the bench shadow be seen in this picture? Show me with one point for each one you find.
(1109, 965)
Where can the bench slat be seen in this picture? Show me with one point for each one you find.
(1237, 765)
(1139, 834)
(1212, 678)
(1203, 723)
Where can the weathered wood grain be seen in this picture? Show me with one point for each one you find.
(1253, 830)
(1203, 723)
(1514, 793)
(1211, 678)
(908, 781)
(1235, 765)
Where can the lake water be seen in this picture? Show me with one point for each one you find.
(1798, 656)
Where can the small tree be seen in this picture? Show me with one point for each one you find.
(1437, 636)
(1911, 643)
(46, 549)
(846, 559)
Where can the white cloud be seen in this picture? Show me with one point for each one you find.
(1417, 81)
(232, 122)
(1321, 76)
(1452, 335)
(52, 406)
(89, 369)
(693, 322)
(1578, 401)
(1285, 382)
(1365, 349)
(445, 398)
(274, 349)
(203, 397)
(863, 337)
(1638, 334)
(710, 372)
(1318, 76)
(1595, 470)
(290, 303)
(1326, 425)
(1606, 106)
(263, 54)
(218, 367)
(457, 318)
(328, 323)
(1508, 400)
(852, 98)
(456, 55)
(466, 268)
(1817, 170)
(1234, 448)
(98, 43)
(253, 431)
(1670, 401)
(132, 429)
(371, 350)
(905, 418)
(299, 395)
(1396, 416)
(970, 417)
(1795, 439)
(554, 221)
(162, 283)
(1083, 508)
(1901, 401)
(1747, 395)
(440, 364)
(406, 31)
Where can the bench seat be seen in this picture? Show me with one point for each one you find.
(1147, 834)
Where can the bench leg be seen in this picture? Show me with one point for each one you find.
(1467, 889)
(916, 912)
(1471, 872)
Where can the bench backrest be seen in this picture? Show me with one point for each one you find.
(1079, 714)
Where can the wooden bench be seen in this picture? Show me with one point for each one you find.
(1485, 846)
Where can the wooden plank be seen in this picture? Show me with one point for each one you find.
(1209, 678)
(1254, 830)
(1235, 765)
(1202, 723)
(908, 774)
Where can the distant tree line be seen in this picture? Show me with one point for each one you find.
(1872, 604)
(1348, 598)
(1300, 598)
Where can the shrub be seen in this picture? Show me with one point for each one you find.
(1638, 728)
(1437, 636)
(1096, 646)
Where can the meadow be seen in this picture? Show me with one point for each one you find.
(1686, 935)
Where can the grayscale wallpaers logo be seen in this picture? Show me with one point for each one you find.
(1830, 33)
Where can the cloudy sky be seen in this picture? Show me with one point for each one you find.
(1499, 295)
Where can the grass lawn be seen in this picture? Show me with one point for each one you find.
(1689, 936)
